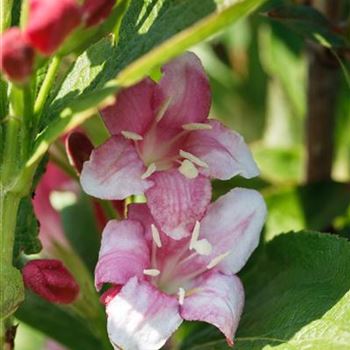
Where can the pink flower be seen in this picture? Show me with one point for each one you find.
(51, 280)
(95, 11)
(160, 281)
(16, 55)
(50, 22)
(54, 180)
(160, 126)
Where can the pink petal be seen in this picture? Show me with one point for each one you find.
(185, 87)
(141, 317)
(223, 150)
(177, 202)
(133, 109)
(232, 225)
(123, 254)
(114, 171)
(170, 248)
(218, 299)
(51, 230)
(141, 213)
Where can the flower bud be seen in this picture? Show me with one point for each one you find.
(16, 55)
(50, 22)
(95, 11)
(79, 148)
(51, 280)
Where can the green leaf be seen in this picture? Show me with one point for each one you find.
(297, 297)
(310, 23)
(80, 228)
(27, 230)
(150, 34)
(58, 322)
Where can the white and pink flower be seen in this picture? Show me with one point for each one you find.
(161, 126)
(160, 281)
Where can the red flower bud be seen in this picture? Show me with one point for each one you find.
(51, 280)
(79, 148)
(16, 55)
(95, 11)
(50, 22)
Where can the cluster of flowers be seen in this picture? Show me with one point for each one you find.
(49, 24)
(176, 256)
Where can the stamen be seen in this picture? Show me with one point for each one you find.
(156, 236)
(217, 260)
(188, 170)
(163, 109)
(193, 158)
(151, 272)
(197, 126)
(195, 234)
(203, 247)
(150, 170)
(131, 135)
(181, 293)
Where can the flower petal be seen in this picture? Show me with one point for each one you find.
(51, 230)
(124, 253)
(223, 150)
(114, 171)
(141, 317)
(133, 110)
(232, 225)
(140, 212)
(177, 202)
(185, 87)
(218, 299)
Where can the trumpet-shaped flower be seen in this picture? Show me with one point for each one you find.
(159, 281)
(160, 126)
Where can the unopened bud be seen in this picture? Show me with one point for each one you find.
(79, 148)
(95, 11)
(50, 22)
(16, 55)
(51, 280)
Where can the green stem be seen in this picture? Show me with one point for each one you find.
(46, 87)
(11, 283)
(9, 203)
(5, 14)
(9, 163)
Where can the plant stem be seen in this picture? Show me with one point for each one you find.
(11, 283)
(45, 88)
(9, 203)
(5, 14)
(9, 162)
